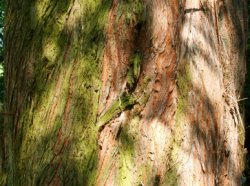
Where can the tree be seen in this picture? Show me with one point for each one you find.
(124, 92)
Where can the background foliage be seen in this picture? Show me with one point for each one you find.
(247, 103)
(1, 52)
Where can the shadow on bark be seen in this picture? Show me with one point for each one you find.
(55, 140)
(205, 122)
(212, 135)
(53, 129)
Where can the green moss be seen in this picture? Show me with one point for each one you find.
(171, 177)
(3, 178)
(67, 69)
(134, 69)
(127, 161)
(131, 11)
(44, 8)
(129, 140)
(90, 169)
(95, 19)
(117, 107)
(184, 85)
(144, 96)
(145, 174)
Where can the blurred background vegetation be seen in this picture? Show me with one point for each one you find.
(1, 52)
(247, 103)
(1, 60)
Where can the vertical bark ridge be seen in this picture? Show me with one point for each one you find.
(232, 31)
(55, 98)
(135, 143)
(157, 120)
(119, 48)
(208, 123)
(200, 94)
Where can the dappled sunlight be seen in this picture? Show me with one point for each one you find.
(57, 125)
(208, 132)
(124, 92)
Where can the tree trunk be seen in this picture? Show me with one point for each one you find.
(124, 92)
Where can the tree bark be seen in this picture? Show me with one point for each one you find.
(124, 92)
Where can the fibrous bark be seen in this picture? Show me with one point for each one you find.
(124, 92)
(52, 79)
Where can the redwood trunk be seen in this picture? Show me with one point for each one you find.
(124, 92)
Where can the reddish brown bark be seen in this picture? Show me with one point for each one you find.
(125, 92)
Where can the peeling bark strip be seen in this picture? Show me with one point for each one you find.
(122, 92)
(134, 147)
(173, 138)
